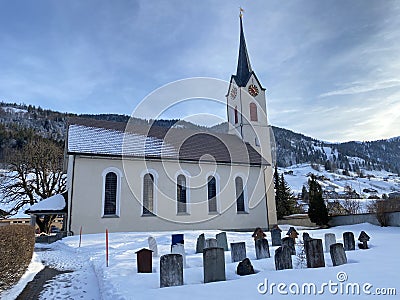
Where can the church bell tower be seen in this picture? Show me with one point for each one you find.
(247, 115)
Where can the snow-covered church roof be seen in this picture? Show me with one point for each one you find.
(105, 138)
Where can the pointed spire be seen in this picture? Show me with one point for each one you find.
(244, 70)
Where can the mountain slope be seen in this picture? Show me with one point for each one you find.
(19, 122)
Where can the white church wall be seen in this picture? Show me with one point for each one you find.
(87, 195)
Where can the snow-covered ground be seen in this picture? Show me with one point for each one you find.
(91, 279)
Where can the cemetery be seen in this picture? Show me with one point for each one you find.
(197, 263)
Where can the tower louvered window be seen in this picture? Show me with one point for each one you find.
(236, 116)
(253, 112)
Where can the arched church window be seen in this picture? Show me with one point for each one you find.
(148, 194)
(110, 195)
(253, 112)
(181, 194)
(212, 194)
(239, 194)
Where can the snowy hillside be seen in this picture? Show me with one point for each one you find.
(376, 182)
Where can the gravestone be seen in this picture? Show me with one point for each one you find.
(245, 268)
(200, 243)
(338, 255)
(363, 238)
(177, 239)
(171, 270)
(276, 236)
(179, 249)
(144, 261)
(306, 237)
(348, 241)
(330, 238)
(314, 253)
(214, 264)
(292, 233)
(258, 234)
(211, 243)
(153, 245)
(262, 249)
(289, 242)
(238, 251)
(283, 258)
(222, 241)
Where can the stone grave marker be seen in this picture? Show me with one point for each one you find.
(283, 258)
(179, 249)
(211, 243)
(222, 241)
(177, 239)
(292, 233)
(314, 253)
(276, 236)
(200, 243)
(258, 234)
(153, 245)
(214, 264)
(289, 242)
(338, 255)
(262, 248)
(238, 251)
(245, 268)
(363, 238)
(330, 238)
(171, 270)
(306, 237)
(348, 241)
(144, 261)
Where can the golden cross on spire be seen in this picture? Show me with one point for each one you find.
(241, 12)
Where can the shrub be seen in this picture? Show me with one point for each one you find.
(16, 250)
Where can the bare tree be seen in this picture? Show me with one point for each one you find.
(34, 173)
(352, 206)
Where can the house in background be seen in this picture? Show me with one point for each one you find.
(15, 220)
(127, 177)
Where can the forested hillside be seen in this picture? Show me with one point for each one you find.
(20, 122)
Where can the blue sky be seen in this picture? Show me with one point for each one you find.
(331, 68)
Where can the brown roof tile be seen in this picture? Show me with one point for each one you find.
(87, 136)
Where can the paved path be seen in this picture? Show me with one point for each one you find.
(36, 286)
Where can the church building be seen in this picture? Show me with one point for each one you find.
(128, 177)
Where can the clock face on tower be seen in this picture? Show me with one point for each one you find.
(233, 92)
(253, 90)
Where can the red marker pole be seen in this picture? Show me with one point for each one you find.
(107, 247)
(80, 237)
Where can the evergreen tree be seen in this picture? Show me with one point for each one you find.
(280, 208)
(285, 201)
(304, 194)
(288, 198)
(317, 210)
(328, 166)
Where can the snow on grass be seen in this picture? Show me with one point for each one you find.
(91, 278)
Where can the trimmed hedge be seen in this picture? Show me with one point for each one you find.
(16, 250)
